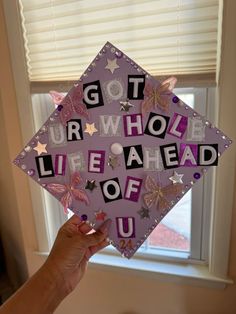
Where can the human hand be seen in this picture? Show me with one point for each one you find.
(72, 249)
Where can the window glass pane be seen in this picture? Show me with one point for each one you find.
(174, 231)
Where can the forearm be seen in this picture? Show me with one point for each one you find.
(42, 293)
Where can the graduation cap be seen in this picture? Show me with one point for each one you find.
(121, 145)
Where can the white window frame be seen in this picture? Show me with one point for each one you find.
(42, 109)
(215, 273)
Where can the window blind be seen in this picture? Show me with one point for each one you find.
(164, 37)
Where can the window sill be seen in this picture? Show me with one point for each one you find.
(184, 273)
(171, 271)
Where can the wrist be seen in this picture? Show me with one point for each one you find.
(53, 283)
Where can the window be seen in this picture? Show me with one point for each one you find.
(180, 234)
(193, 29)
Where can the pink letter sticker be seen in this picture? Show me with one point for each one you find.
(96, 161)
(125, 227)
(132, 189)
(188, 155)
(60, 164)
(133, 125)
(178, 125)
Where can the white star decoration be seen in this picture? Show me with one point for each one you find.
(112, 65)
(40, 148)
(176, 178)
(90, 129)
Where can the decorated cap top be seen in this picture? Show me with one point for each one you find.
(121, 145)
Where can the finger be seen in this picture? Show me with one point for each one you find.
(73, 220)
(72, 224)
(94, 249)
(79, 225)
(98, 236)
(85, 228)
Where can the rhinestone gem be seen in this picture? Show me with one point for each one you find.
(119, 54)
(31, 172)
(84, 217)
(16, 161)
(197, 175)
(28, 148)
(175, 99)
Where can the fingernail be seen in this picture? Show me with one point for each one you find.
(105, 226)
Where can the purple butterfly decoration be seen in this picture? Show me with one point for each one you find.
(69, 191)
(72, 102)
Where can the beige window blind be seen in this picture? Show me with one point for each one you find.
(163, 36)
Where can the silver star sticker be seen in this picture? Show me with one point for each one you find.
(176, 178)
(113, 162)
(125, 105)
(143, 212)
(90, 185)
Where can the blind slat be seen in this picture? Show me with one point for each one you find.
(141, 41)
(163, 36)
(65, 18)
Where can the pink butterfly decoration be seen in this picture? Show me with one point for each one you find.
(56, 97)
(69, 191)
(70, 104)
(158, 96)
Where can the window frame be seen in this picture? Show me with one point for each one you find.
(216, 271)
(199, 239)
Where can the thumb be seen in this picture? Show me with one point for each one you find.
(98, 236)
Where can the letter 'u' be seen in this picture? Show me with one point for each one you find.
(125, 226)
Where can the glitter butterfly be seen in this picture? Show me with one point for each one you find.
(72, 102)
(69, 191)
(56, 97)
(158, 97)
(158, 195)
